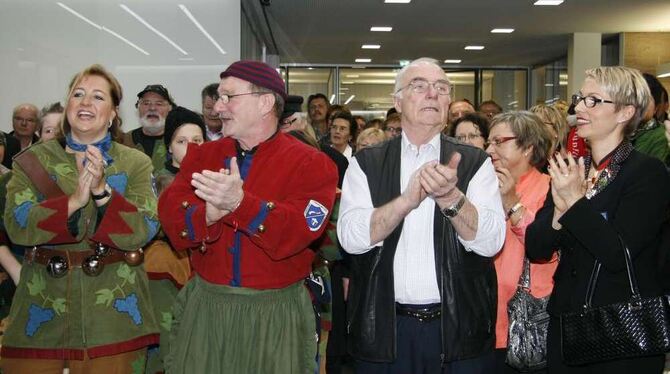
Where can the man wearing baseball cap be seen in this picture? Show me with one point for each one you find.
(153, 104)
(247, 206)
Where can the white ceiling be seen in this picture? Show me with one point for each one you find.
(332, 31)
(41, 29)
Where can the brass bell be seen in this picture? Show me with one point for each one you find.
(134, 258)
(57, 266)
(270, 205)
(261, 228)
(185, 204)
(183, 234)
(92, 265)
(101, 249)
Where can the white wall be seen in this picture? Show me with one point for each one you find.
(43, 46)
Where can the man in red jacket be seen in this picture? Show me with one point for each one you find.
(248, 207)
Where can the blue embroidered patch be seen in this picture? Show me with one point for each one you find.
(152, 225)
(315, 215)
(36, 317)
(118, 182)
(21, 213)
(129, 306)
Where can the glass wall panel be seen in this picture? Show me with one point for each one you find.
(463, 85)
(505, 87)
(308, 81)
(550, 83)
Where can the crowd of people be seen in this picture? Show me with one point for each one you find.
(245, 237)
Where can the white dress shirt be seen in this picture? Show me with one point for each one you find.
(415, 279)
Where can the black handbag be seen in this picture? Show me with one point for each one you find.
(634, 328)
(528, 324)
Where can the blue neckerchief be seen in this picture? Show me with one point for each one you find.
(103, 145)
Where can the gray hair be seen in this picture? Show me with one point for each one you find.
(401, 74)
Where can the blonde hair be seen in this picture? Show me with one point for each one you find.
(625, 86)
(370, 133)
(553, 116)
(114, 89)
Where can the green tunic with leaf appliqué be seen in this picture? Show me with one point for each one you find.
(61, 318)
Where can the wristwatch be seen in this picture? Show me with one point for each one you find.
(105, 193)
(453, 210)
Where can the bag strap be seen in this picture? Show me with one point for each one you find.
(33, 168)
(524, 279)
(632, 281)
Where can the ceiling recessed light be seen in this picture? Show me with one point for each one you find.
(201, 28)
(452, 61)
(347, 82)
(364, 60)
(352, 75)
(344, 89)
(397, 1)
(150, 27)
(381, 28)
(502, 31)
(474, 47)
(332, 98)
(371, 46)
(349, 99)
(549, 85)
(310, 68)
(186, 59)
(548, 2)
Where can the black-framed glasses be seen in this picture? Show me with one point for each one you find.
(589, 101)
(395, 130)
(420, 86)
(467, 137)
(226, 98)
(498, 141)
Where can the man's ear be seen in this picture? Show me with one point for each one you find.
(266, 103)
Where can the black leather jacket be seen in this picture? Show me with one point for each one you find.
(467, 281)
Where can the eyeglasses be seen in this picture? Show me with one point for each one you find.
(395, 130)
(466, 137)
(226, 98)
(24, 120)
(420, 86)
(496, 142)
(158, 104)
(589, 101)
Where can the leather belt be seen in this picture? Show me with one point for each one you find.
(91, 261)
(43, 255)
(425, 313)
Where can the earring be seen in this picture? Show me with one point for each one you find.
(525, 154)
(110, 124)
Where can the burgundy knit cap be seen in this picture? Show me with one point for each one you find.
(258, 73)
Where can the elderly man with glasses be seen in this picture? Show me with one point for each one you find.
(24, 123)
(247, 206)
(422, 216)
(153, 105)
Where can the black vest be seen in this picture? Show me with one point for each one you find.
(467, 281)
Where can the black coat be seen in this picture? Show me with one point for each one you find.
(634, 205)
(467, 281)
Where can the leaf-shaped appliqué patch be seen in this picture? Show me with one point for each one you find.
(24, 196)
(104, 296)
(129, 305)
(58, 305)
(118, 182)
(36, 317)
(63, 169)
(21, 213)
(166, 320)
(37, 284)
